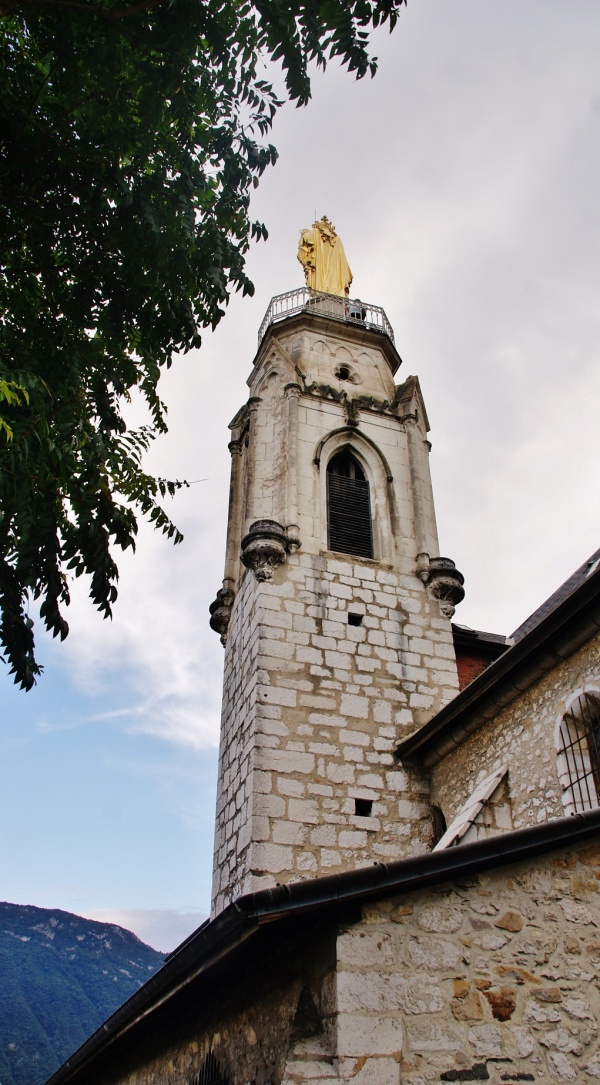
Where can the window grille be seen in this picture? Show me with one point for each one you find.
(579, 753)
(210, 1073)
(348, 507)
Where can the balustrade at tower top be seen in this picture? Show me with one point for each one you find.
(346, 310)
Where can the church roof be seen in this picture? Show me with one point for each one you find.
(573, 582)
(252, 925)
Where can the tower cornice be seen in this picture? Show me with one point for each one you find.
(346, 331)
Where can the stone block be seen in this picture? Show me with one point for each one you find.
(324, 836)
(357, 738)
(286, 832)
(304, 810)
(257, 829)
(360, 947)
(560, 1067)
(330, 858)
(427, 1036)
(435, 953)
(320, 789)
(269, 806)
(383, 992)
(311, 700)
(353, 753)
(278, 695)
(320, 719)
(340, 660)
(306, 861)
(352, 838)
(372, 780)
(275, 649)
(286, 761)
(357, 707)
(271, 857)
(287, 786)
(378, 1071)
(486, 1041)
(361, 1036)
(341, 774)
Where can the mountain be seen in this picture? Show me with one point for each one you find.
(61, 976)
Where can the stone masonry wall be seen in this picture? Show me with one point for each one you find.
(236, 780)
(489, 979)
(313, 710)
(314, 704)
(523, 737)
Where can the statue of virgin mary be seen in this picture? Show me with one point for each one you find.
(322, 256)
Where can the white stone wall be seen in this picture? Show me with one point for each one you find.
(313, 709)
(236, 781)
(314, 706)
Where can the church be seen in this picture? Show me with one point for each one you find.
(407, 847)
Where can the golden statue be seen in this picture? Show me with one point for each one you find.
(322, 256)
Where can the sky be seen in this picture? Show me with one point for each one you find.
(464, 183)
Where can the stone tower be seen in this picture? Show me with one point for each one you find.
(335, 607)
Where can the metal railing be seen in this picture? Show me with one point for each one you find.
(347, 310)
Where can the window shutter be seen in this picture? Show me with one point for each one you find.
(349, 515)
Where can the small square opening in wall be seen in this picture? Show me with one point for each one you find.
(363, 808)
(354, 619)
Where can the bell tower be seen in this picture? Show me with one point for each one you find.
(335, 606)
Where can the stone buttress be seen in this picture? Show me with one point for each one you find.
(330, 657)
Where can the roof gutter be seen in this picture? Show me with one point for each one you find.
(571, 624)
(223, 936)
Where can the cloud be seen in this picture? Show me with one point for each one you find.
(161, 928)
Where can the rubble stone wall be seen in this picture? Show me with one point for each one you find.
(489, 979)
(523, 736)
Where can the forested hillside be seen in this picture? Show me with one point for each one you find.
(60, 977)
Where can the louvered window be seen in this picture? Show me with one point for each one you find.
(348, 507)
(579, 753)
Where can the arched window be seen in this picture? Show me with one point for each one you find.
(438, 824)
(348, 507)
(579, 753)
(211, 1073)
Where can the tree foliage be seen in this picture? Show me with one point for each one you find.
(131, 136)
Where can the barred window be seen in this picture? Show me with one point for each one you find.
(579, 753)
(348, 507)
(211, 1073)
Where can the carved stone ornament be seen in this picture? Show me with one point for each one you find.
(220, 612)
(265, 547)
(445, 584)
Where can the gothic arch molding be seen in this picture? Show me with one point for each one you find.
(378, 474)
(353, 439)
